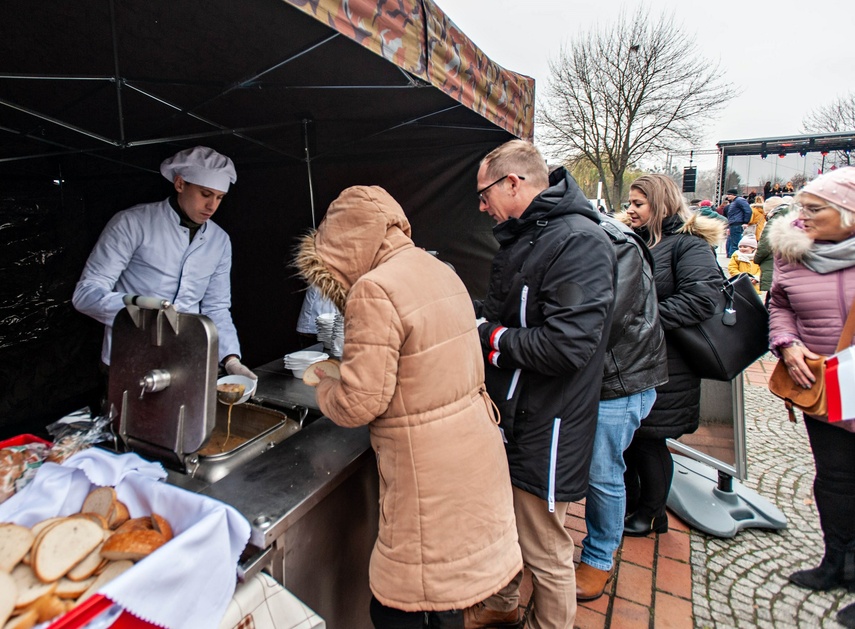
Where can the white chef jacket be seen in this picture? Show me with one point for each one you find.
(145, 250)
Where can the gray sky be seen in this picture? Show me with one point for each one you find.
(785, 57)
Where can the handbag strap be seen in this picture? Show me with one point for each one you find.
(848, 330)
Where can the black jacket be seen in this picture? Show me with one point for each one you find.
(548, 308)
(688, 280)
(635, 359)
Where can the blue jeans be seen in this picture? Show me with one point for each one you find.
(605, 502)
(733, 238)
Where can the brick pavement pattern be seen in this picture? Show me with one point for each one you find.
(742, 582)
(686, 579)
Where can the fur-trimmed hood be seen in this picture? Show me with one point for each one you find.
(710, 229)
(362, 227)
(787, 238)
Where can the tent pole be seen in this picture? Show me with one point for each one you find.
(309, 169)
(118, 81)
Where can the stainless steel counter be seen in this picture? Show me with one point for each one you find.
(282, 484)
(312, 504)
(276, 385)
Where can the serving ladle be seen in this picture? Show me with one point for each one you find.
(229, 394)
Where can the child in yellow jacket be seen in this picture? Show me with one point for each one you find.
(742, 261)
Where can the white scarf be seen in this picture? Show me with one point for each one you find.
(745, 257)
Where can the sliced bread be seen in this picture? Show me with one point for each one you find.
(87, 566)
(329, 367)
(133, 545)
(30, 588)
(63, 545)
(161, 525)
(15, 542)
(100, 500)
(8, 597)
(48, 607)
(119, 515)
(26, 620)
(111, 572)
(66, 588)
(136, 524)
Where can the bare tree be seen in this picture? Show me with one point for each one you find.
(838, 115)
(627, 90)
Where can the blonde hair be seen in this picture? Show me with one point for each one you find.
(665, 200)
(518, 157)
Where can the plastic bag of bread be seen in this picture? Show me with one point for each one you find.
(72, 437)
(18, 464)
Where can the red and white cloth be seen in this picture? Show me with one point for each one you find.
(840, 385)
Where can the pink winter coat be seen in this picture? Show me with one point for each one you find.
(805, 305)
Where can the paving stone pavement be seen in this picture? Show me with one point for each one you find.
(742, 582)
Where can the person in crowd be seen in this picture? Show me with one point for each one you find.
(688, 280)
(412, 371)
(314, 305)
(751, 196)
(812, 292)
(774, 208)
(171, 250)
(789, 188)
(776, 190)
(705, 209)
(742, 261)
(755, 226)
(767, 190)
(635, 365)
(546, 318)
(738, 214)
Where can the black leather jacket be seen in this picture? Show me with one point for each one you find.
(636, 359)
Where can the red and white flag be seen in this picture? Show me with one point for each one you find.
(840, 385)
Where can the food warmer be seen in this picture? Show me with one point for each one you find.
(308, 488)
(162, 392)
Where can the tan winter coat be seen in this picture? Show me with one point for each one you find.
(412, 370)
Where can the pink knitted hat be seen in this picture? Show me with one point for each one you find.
(837, 187)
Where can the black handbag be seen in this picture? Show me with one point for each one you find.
(736, 335)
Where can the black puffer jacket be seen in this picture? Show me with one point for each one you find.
(635, 358)
(548, 308)
(688, 280)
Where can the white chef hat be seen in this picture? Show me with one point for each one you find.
(201, 165)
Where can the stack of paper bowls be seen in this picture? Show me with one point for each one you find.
(331, 332)
(298, 362)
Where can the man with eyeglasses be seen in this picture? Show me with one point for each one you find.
(544, 327)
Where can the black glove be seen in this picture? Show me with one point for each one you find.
(490, 334)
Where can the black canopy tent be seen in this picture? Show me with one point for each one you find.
(306, 97)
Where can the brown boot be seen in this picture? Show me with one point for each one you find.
(479, 616)
(590, 582)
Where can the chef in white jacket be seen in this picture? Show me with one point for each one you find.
(170, 250)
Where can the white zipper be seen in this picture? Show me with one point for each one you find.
(516, 377)
(553, 459)
(523, 301)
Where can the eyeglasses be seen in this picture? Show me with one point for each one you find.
(480, 193)
(809, 211)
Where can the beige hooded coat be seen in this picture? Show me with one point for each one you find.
(412, 370)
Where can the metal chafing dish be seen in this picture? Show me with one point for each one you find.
(162, 393)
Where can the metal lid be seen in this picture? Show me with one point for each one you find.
(163, 374)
